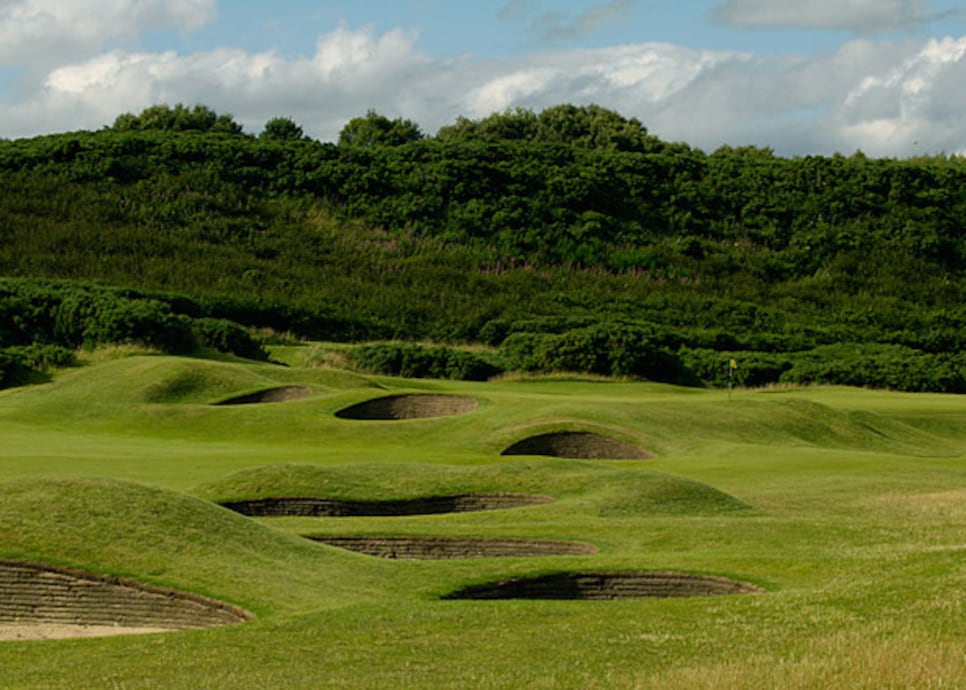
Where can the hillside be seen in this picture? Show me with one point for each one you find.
(568, 240)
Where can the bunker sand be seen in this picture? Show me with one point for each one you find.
(44, 602)
(606, 585)
(580, 445)
(416, 406)
(426, 505)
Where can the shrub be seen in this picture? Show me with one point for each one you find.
(18, 363)
(880, 366)
(609, 349)
(417, 361)
(227, 336)
(519, 351)
(754, 368)
(615, 350)
(142, 321)
(11, 372)
(41, 357)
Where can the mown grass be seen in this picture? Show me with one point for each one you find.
(848, 507)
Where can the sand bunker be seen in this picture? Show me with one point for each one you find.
(577, 444)
(420, 406)
(427, 505)
(42, 602)
(439, 548)
(602, 585)
(269, 395)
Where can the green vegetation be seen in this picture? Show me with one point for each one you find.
(415, 361)
(845, 506)
(515, 226)
(565, 271)
(43, 321)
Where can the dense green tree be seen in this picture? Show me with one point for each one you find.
(378, 130)
(519, 124)
(180, 118)
(584, 126)
(594, 127)
(282, 129)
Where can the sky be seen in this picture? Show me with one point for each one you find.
(802, 77)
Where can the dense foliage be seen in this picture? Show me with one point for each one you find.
(43, 321)
(568, 239)
(416, 361)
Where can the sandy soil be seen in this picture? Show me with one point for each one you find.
(416, 406)
(10, 632)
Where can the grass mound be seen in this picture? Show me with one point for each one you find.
(413, 406)
(576, 444)
(596, 488)
(170, 540)
(112, 379)
(439, 548)
(35, 596)
(604, 585)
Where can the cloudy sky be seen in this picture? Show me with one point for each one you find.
(801, 76)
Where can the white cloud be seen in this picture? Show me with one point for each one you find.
(887, 98)
(641, 76)
(45, 33)
(913, 104)
(348, 73)
(858, 16)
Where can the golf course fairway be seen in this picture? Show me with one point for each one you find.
(639, 535)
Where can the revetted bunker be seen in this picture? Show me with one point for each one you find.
(269, 395)
(604, 585)
(33, 596)
(426, 505)
(415, 406)
(584, 445)
(440, 548)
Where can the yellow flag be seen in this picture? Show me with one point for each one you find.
(734, 364)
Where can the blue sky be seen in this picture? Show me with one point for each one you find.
(801, 77)
(503, 28)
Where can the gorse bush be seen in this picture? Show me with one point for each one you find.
(43, 321)
(753, 368)
(418, 361)
(11, 370)
(612, 350)
(867, 365)
(75, 314)
(572, 239)
(520, 352)
(880, 366)
(605, 348)
(142, 321)
(40, 357)
(227, 336)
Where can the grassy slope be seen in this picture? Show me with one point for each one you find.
(856, 531)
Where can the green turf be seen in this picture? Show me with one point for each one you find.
(848, 507)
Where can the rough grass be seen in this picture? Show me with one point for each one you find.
(844, 506)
